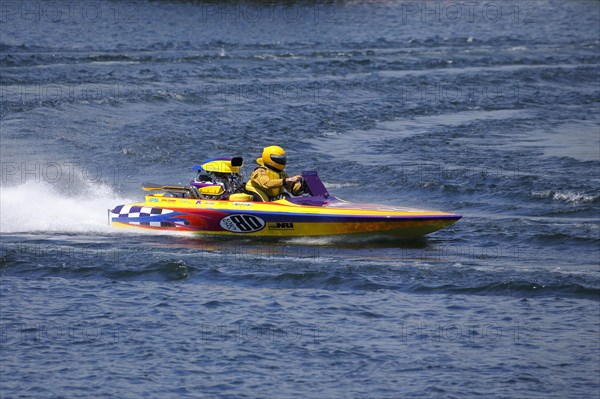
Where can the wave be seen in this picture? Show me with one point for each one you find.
(513, 288)
(341, 185)
(355, 281)
(76, 262)
(277, 268)
(167, 270)
(568, 196)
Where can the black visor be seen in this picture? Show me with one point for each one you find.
(280, 159)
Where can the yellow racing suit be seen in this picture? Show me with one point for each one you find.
(266, 183)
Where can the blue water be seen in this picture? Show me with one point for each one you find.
(489, 110)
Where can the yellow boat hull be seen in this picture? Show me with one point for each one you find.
(282, 218)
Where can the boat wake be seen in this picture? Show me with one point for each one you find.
(40, 207)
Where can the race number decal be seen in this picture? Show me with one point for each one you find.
(242, 223)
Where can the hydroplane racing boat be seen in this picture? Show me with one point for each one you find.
(215, 203)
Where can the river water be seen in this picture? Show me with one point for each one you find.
(486, 109)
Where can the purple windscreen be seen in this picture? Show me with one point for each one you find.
(314, 184)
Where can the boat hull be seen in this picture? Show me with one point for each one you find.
(331, 217)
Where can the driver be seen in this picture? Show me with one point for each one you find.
(268, 182)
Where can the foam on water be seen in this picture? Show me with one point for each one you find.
(567, 196)
(341, 185)
(40, 207)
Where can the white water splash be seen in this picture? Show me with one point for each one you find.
(40, 207)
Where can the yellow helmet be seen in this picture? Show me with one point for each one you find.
(273, 156)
